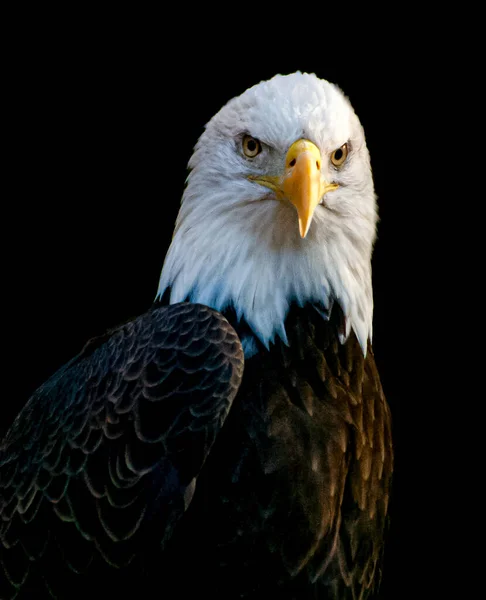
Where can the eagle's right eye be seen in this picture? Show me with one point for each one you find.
(251, 146)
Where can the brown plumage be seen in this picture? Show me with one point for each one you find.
(106, 486)
(297, 487)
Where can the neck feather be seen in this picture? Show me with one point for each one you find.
(250, 258)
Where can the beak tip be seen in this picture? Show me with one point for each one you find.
(303, 228)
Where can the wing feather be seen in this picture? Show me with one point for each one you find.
(103, 461)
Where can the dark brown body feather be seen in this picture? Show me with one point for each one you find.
(294, 496)
(287, 500)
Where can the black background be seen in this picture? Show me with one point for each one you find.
(104, 121)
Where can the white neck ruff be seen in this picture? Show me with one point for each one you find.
(251, 257)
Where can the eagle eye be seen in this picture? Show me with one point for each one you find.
(251, 146)
(339, 156)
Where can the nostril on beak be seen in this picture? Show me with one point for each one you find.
(292, 162)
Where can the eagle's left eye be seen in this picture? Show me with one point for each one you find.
(251, 146)
(339, 156)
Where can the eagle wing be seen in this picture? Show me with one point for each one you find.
(102, 462)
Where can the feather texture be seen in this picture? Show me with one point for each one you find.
(102, 462)
(289, 499)
(292, 501)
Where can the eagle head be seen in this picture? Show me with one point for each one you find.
(279, 208)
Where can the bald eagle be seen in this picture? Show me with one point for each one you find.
(234, 441)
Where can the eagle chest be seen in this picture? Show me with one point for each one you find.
(280, 470)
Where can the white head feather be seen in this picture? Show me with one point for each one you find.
(236, 245)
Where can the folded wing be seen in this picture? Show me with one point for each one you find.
(103, 461)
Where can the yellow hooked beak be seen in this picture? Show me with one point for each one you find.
(302, 183)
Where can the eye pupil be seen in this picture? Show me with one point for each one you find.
(251, 145)
(338, 154)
